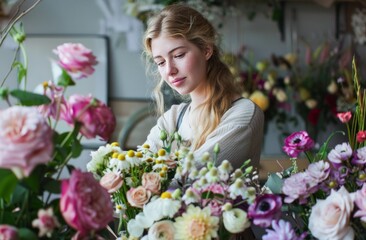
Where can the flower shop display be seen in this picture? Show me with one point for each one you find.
(35, 203)
(327, 199)
(322, 85)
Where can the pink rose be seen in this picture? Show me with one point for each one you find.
(151, 181)
(8, 232)
(85, 204)
(95, 117)
(137, 197)
(76, 59)
(111, 181)
(330, 218)
(46, 222)
(163, 228)
(25, 140)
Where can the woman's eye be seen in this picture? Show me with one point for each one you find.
(160, 64)
(180, 55)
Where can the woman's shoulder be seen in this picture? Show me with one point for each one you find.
(243, 112)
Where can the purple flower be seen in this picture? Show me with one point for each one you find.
(359, 158)
(340, 153)
(296, 143)
(264, 209)
(299, 186)
(282, 230)
(319, 171)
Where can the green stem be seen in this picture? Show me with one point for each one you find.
(11, 68)
(25, 58)
(24, 206)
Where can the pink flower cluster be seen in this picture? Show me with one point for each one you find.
(76, 59)
(25, 140)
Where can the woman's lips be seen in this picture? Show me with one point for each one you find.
(177, 82)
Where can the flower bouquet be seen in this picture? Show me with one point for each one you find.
(327, 199)
(35, 203)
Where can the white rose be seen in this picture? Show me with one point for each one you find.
(235, 220)
(330, 218)
(162, 230)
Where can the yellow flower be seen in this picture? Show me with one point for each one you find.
(196, 224)
(260, 99)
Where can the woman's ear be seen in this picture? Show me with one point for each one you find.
(208, 52)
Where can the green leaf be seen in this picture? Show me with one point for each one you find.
(274, 183)
(77, 148)
(65, 80)
(27, 234)
(22, 71)
(8, 182)
(29, 99)
(52, 186)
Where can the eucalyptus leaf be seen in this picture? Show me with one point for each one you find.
(29, 98)
(274, 183)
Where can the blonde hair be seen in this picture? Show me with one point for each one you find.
(182, 21)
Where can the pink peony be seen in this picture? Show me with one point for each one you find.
(8, 232)
(85, 204)
(330, 218)
(25, 140)
(76, 59)
(96, 118)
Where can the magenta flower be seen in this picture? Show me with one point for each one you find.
(361, 136)
(25, 140)
(85, 205)
(344, 117)
(96, 118)
(282, 230)
(341, 152)
(299, 186)
(296, 143)
(265, 208)
(76, 59)
(8, 232)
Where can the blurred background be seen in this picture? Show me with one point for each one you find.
(292, 57)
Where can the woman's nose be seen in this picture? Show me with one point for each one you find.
(171, 68)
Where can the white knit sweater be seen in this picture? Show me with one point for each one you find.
(239, 134)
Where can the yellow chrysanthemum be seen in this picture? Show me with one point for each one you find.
(196, 224)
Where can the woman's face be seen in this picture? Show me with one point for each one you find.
(181, 64)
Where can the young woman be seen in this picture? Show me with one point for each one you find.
(182, 44)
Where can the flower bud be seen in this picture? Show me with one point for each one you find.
(216, 148)
(163, 135)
